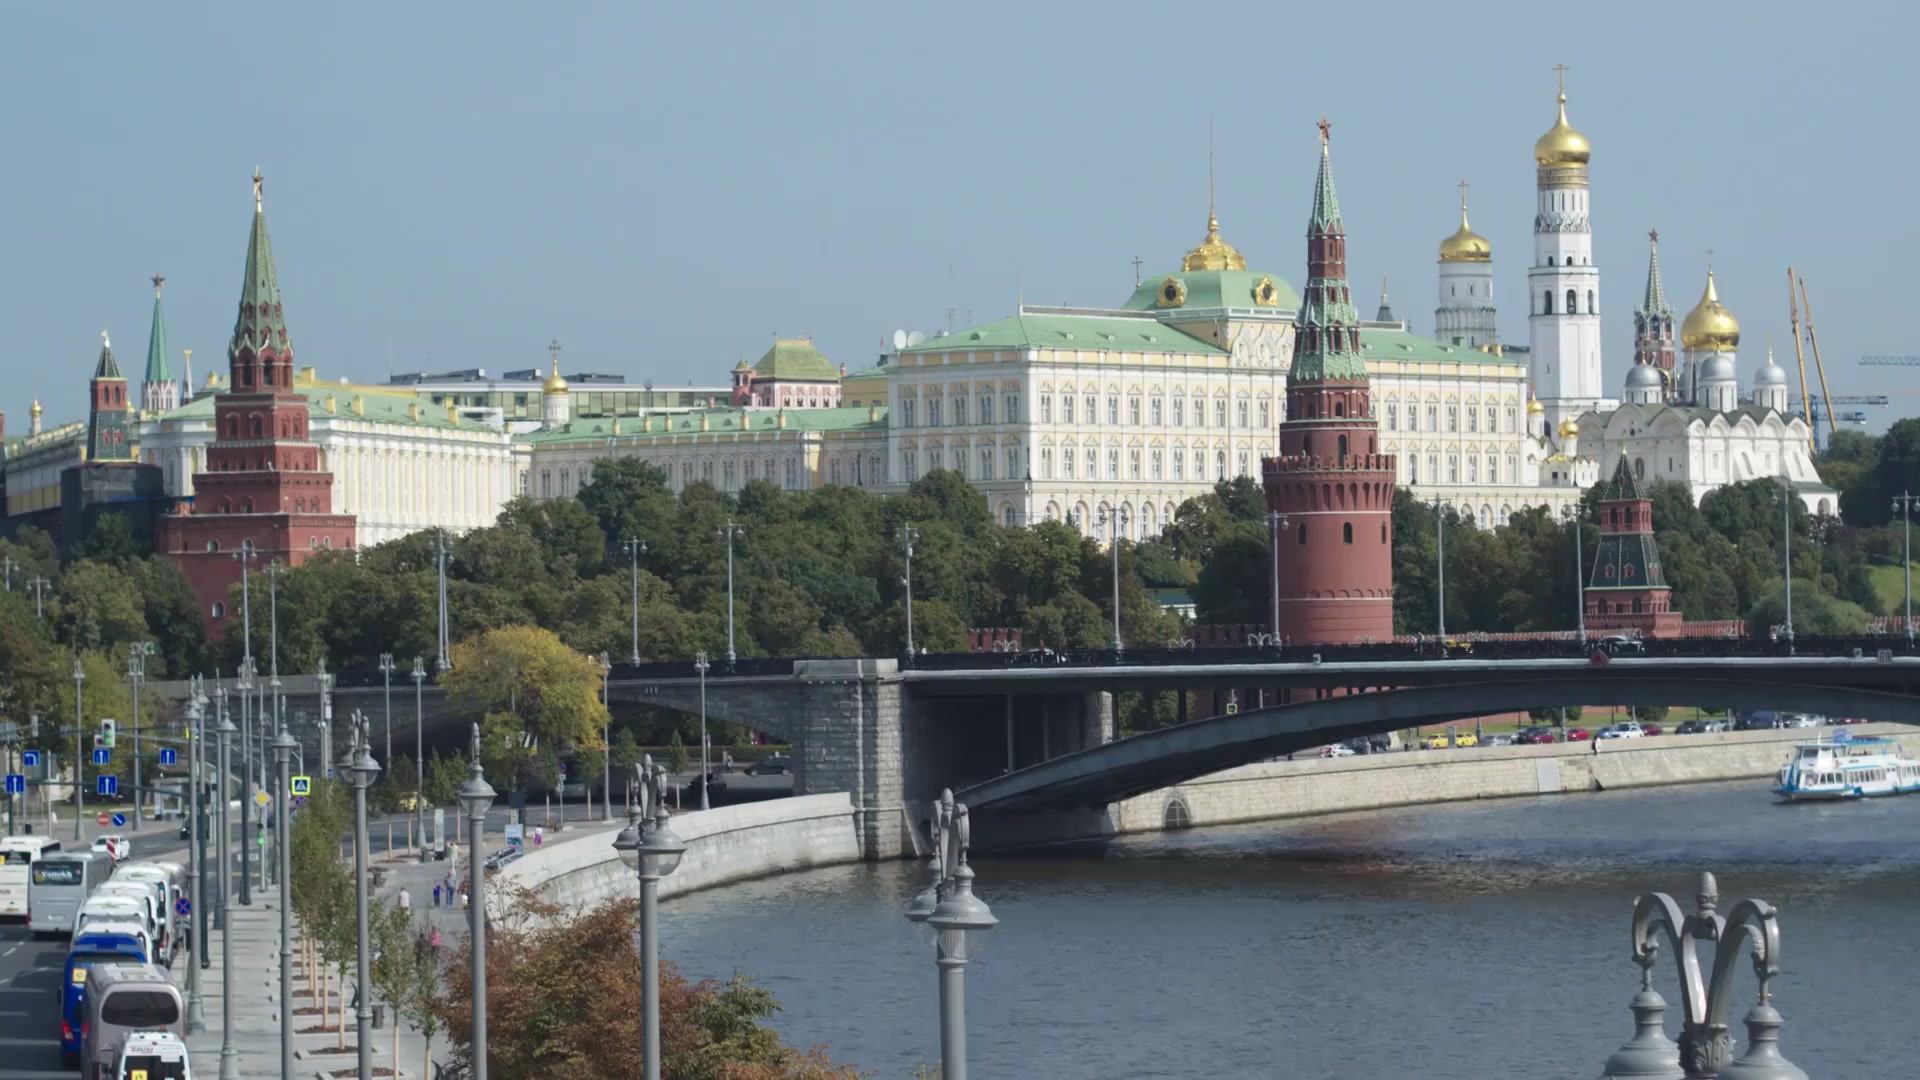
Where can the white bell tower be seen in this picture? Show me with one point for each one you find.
(1563, 284)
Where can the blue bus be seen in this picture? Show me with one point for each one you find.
(100, 946)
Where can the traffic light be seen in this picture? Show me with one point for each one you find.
(107, 731)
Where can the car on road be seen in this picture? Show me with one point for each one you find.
(1627, 730)
(1837, 720)
(1651, 728)
(114, 846)
(771, 765)
(1699, 727)
(1435, 742)
(1466, 738)
(1534, 736)
(1500, 740)
(713, 782)
(1578, 734)
(1801, 720)
(1336, 750)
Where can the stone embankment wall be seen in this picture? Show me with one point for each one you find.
(724, 845)
(1401, 778)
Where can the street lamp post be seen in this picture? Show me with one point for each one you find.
(1572, 513)
(476, 795)
(440, 552)
(908, 536)
(1275, 522)
(649, 846)
(419, 676)
(79, 756)
(1440, 561)
(635, 548)
(246, 683)
(700, 665)
(1114, 521)
(283, 748)
(39, 586)
(386, 678)
(951, 910)
(606, 747)
(1786, 554)
(1904, 502)
(730, 530)
(361, 770)
(229, 1057)
(196, 867)
(1751, 933)
(137, 654)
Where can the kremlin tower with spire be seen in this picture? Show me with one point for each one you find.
(265, 495)
(1330, 486)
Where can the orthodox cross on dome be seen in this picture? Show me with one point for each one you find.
(1209, 168)
(553, 350)
(1463, 195)
(1560, 72)
(1710, 260)
(158, 280)
(1136, 270)
(258, 183)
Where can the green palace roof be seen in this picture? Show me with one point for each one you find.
(380, 407)
(1400, 346)
(1092, 333)
(795, 358)
(1203, 289)
(718, 422)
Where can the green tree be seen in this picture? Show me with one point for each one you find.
(529, 675)
(676, 754)
(1815, 614)
(445, 774)
(97, 606)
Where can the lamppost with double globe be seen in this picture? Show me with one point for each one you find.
(650, 847)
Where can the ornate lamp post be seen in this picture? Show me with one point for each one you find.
(649, 846)
(1114, 522)
(1440, 564)
(730, 530)
(1275, 522)
(79, 755)
(1786, 554)
(952, 912)
(1905, 502)
(635, 548)
(283, 748)
(361, 770)
(1571, 513)
(137, 654)
(440, 553)
(229, 1057)
(196, 866)
(386, 677)
(1705, 1051)
(606, 746)
(701, 665)
(476, 795)
(908, 535)
(419, 675)
(39, 586)
(245, 684)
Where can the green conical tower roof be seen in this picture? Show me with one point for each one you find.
(261, 326)
(1327, 327)
(1326, 205)
(1624, 487)
(157, 370)
(107, 367)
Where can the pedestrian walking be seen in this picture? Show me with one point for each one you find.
(436, 894)
(434, 946)
(726, 762)
(406, 901)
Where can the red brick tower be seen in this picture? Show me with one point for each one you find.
(1334, 561)
(1628, 590)
(264, 489)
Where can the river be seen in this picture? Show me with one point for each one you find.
(1443, 942)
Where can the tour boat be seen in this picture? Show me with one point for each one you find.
(1845, 767)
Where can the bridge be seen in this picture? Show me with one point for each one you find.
(1033, 733)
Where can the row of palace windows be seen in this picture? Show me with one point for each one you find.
(940, 410)
(1453, 417)
(1159, 464)
(1573, 303)
(1452, 476)
(1158, 411)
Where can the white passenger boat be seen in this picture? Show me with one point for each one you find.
(1845, 767)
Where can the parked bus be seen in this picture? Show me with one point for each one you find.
(169, 881)
(17, 855)
(124, 1000)
(59, 885)
(101, 943)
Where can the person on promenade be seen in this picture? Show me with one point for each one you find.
(406, 901)
(436, 894)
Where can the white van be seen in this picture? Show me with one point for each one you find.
(125, 1001)
(153, 1055)
(151, 902)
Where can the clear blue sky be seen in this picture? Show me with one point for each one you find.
(664, 187)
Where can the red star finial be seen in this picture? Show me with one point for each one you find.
(1324, 127)
(1653, 235)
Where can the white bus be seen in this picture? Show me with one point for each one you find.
(17, 856)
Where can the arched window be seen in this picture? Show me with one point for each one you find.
(1592, 308)
(1346, 532)
(1573, 302)
(213, 547)
(1339, 408)
(1306, 445)
(1383, 532)
(258, 429)
(1343, 446)
(1549, 260)
(1303, 533)
(233, 427)
(1546, 302)
(218, 610)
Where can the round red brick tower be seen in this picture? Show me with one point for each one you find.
(1330, 484)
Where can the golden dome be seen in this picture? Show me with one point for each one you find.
(1465, 245)
(554, 384)
(1534, 408)
(1562, 147)
(1710, 327)
(36, 406)
(1569, 429)
(1213, 252)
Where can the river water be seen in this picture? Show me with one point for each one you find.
(1443, 942)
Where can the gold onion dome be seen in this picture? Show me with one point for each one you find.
(1710, 327)
(1465, 245)
(1562, 147)
(554, 384)
(1569, 429)
(1213, 252)
(1534, 408)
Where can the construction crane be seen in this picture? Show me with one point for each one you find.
(1806, 396)
(1890, 361)
(1828, 409)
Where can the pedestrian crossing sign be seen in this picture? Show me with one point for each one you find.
(1233, 707)
(300, 786)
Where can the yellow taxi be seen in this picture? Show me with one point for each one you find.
(1434, 742)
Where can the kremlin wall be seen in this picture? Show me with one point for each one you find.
(1105, 418)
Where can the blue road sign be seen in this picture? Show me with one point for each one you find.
(169, 756)
(30, 759)
(182, 907)
(119, 821)
(108, 785)
(102, 756)
(16, 784)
